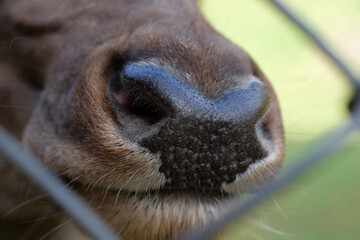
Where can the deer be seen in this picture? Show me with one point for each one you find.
(152, 116)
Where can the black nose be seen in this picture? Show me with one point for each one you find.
(202, 143)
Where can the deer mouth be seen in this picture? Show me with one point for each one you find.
(162, 200)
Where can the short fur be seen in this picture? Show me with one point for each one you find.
(56, 59)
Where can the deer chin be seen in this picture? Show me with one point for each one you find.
(154, 214)
(160, 213)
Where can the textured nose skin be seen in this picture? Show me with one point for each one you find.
(203, 143)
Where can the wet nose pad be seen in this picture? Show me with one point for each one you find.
(203, 143)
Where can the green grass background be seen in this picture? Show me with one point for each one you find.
(325, 203)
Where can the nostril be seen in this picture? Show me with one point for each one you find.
(135, 100)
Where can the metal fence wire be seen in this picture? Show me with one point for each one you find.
(68, 200)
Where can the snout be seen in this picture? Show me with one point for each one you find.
(202, 143)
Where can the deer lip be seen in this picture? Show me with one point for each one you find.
(160, 193)
(184, 194)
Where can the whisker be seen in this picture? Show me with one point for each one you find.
(31, 200)
(103, 199)
(283, 213)
(39, 219)
(118, 193)
(102, 177)
(55, 229)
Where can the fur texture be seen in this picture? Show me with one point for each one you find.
(56, 60)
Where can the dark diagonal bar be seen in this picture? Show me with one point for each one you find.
(319, 42)
(57, 191)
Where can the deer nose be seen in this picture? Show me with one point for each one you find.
(202, 143)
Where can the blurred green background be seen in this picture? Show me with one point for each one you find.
(325, 203)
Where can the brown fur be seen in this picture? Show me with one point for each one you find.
(55, 62)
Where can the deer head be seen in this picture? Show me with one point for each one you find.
(157, 117)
